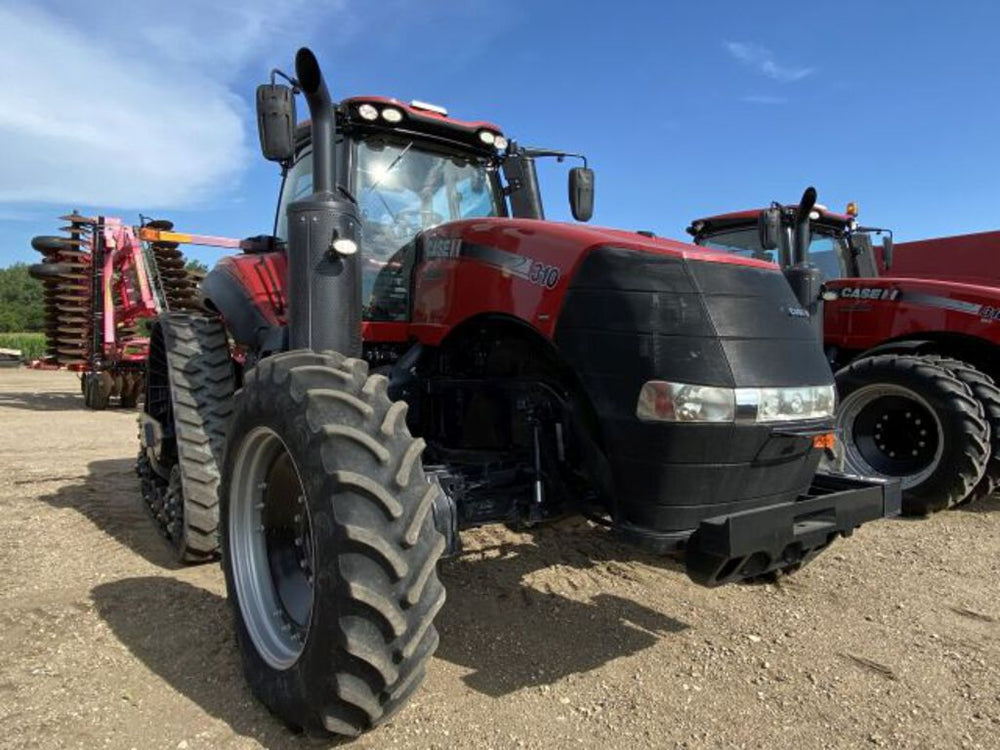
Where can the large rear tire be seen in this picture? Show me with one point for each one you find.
(329, 543)
(905, 418)
(987, 394)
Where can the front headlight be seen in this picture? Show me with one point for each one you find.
(660, 401)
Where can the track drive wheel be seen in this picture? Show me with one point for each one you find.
(906, 418)
(329, 543)
(986, 392)
(189, 394)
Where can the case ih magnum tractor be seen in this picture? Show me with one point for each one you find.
(419, 352)
(916, 357)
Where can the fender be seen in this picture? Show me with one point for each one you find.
(245, 291)
(904, 346)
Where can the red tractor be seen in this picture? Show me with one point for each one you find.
(417, 351)
(916, 358)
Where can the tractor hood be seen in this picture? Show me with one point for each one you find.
(574, 240)
(624, 305)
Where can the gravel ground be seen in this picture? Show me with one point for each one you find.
(561, 638)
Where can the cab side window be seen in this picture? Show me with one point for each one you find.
(745, 243)
(826, 254)
(298, 184)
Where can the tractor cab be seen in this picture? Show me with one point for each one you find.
(409, 168)
(834, 243)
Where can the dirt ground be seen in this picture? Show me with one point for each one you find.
(563, 638)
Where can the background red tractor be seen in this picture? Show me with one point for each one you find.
(916, 355)
(416, 351)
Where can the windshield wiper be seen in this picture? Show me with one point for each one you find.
(385, 174)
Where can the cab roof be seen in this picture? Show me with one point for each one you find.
(416, 121)
(734, 219)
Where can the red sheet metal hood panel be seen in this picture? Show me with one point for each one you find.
(513, 234)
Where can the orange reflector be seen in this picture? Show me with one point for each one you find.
(826, 441)
(160, 235)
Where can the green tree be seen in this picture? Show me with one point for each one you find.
(22, 306)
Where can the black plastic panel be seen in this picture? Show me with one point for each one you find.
(630, 317)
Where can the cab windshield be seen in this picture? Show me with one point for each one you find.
(828, 251)
(403, 189)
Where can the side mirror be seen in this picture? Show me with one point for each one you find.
(581, 193)
(769, 228)
(887, 251)
(276, 121)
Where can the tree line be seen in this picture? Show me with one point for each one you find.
(22, 301)
(22, 305)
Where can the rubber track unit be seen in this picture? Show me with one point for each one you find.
(988, 394)
(962, 465)
(375, 546)
(201, 378)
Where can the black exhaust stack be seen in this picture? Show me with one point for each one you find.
(324, 238)
(805, 278)
(802, 232)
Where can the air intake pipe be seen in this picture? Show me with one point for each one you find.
(805, 278)
(324, 235)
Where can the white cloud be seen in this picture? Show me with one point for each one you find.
(131, 106)
(762, 60)
(763, 99)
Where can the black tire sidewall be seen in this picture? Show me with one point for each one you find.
(286, 691)
(941, 484)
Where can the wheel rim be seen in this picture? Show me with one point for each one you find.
(889, 430)
(271, 550)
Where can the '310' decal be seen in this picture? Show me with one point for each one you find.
(543, 275)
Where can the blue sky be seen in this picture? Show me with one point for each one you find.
(685, 109)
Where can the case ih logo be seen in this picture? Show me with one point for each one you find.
(869, 293)
(517, 265)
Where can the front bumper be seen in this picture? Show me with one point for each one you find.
(749, 543)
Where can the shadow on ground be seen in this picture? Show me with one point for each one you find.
(510, 634)
(48, 401)
(513, 634)
(109, 497)
(989, 504)
(184, 634)
(68, 400)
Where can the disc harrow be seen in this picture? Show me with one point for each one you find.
(101, 282)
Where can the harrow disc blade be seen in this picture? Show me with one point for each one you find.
(162, 251)
(49, 243)
(171, 263)
(78, 219)
(55, 271)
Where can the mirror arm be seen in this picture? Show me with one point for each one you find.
(559, 155)
(278, 73)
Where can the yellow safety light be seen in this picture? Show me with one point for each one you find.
(852, 209)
